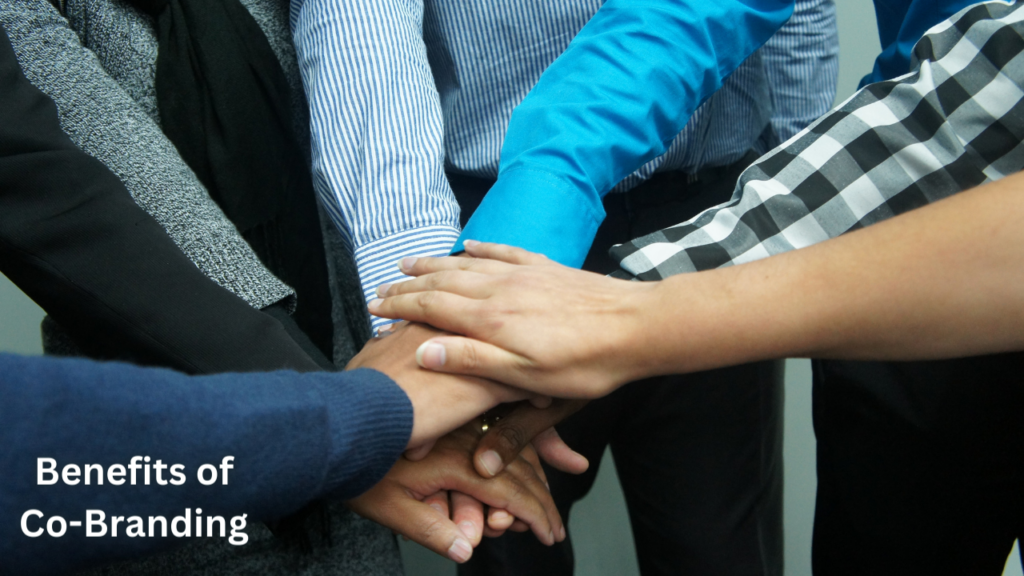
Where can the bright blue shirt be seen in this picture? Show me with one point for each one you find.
(615, 99)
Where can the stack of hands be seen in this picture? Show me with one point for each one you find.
(498, 343)
(512, 326)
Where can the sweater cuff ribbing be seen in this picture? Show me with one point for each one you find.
(369, 427)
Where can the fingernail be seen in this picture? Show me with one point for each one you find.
(430, 355)
(470, 243)
(491, 462)
(499, 516)
(437, 507)
(460, 550)
(374, 304)
(406, 264)
(562, 532)
(382, 290)
(469, 529)
(551, 537)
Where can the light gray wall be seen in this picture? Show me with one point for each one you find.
(19, 321)
(604, 545)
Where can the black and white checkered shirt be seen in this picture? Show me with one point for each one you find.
(956, 121)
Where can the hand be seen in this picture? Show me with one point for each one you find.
(396, 501)
(530, 322)
(523, 432)
(440, 403)
(468, 513)
(527, 426)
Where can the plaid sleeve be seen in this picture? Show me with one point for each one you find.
(956, 121)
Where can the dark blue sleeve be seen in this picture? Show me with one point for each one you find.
(615, 99)
(294, 437)
(901, 23)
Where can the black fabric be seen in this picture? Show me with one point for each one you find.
(699, 456)
(279, 312)
(920, 466)
(699, 459)
(59, 5)
(224, 103)
(72, 238)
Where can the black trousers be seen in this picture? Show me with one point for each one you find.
(699, 456)
(920, 466)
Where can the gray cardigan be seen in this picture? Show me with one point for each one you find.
(98, 65)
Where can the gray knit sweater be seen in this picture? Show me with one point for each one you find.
(99, 65)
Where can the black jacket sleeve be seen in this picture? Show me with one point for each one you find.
(73, 239)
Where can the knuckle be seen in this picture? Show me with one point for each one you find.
(424, 300)
(516, 491)
(432, 529)
(436, 280)
(521, 279)
(511, 438)
(470, 357)
(398, 288)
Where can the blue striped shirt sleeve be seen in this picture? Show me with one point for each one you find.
(615, 99)
(802, 65)
(376, 125)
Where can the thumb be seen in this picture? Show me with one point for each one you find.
(436, 531)
(506, 438)
(424, 525)
(458, 355)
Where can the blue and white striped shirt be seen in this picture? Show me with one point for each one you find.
(402, 90)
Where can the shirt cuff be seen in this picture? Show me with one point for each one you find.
(369, 426)
(377, 261)
(539, 212)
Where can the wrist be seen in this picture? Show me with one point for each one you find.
(377, 261)
(691, 323)
(728, 316)
(639, 350)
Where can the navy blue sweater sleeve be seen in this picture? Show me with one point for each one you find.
(293, 437)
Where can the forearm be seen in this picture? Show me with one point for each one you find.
(378, 154)
(863, 162)
(617, 96)
(294, 437)
(103, 120)
(74, 240)
(942, 281)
